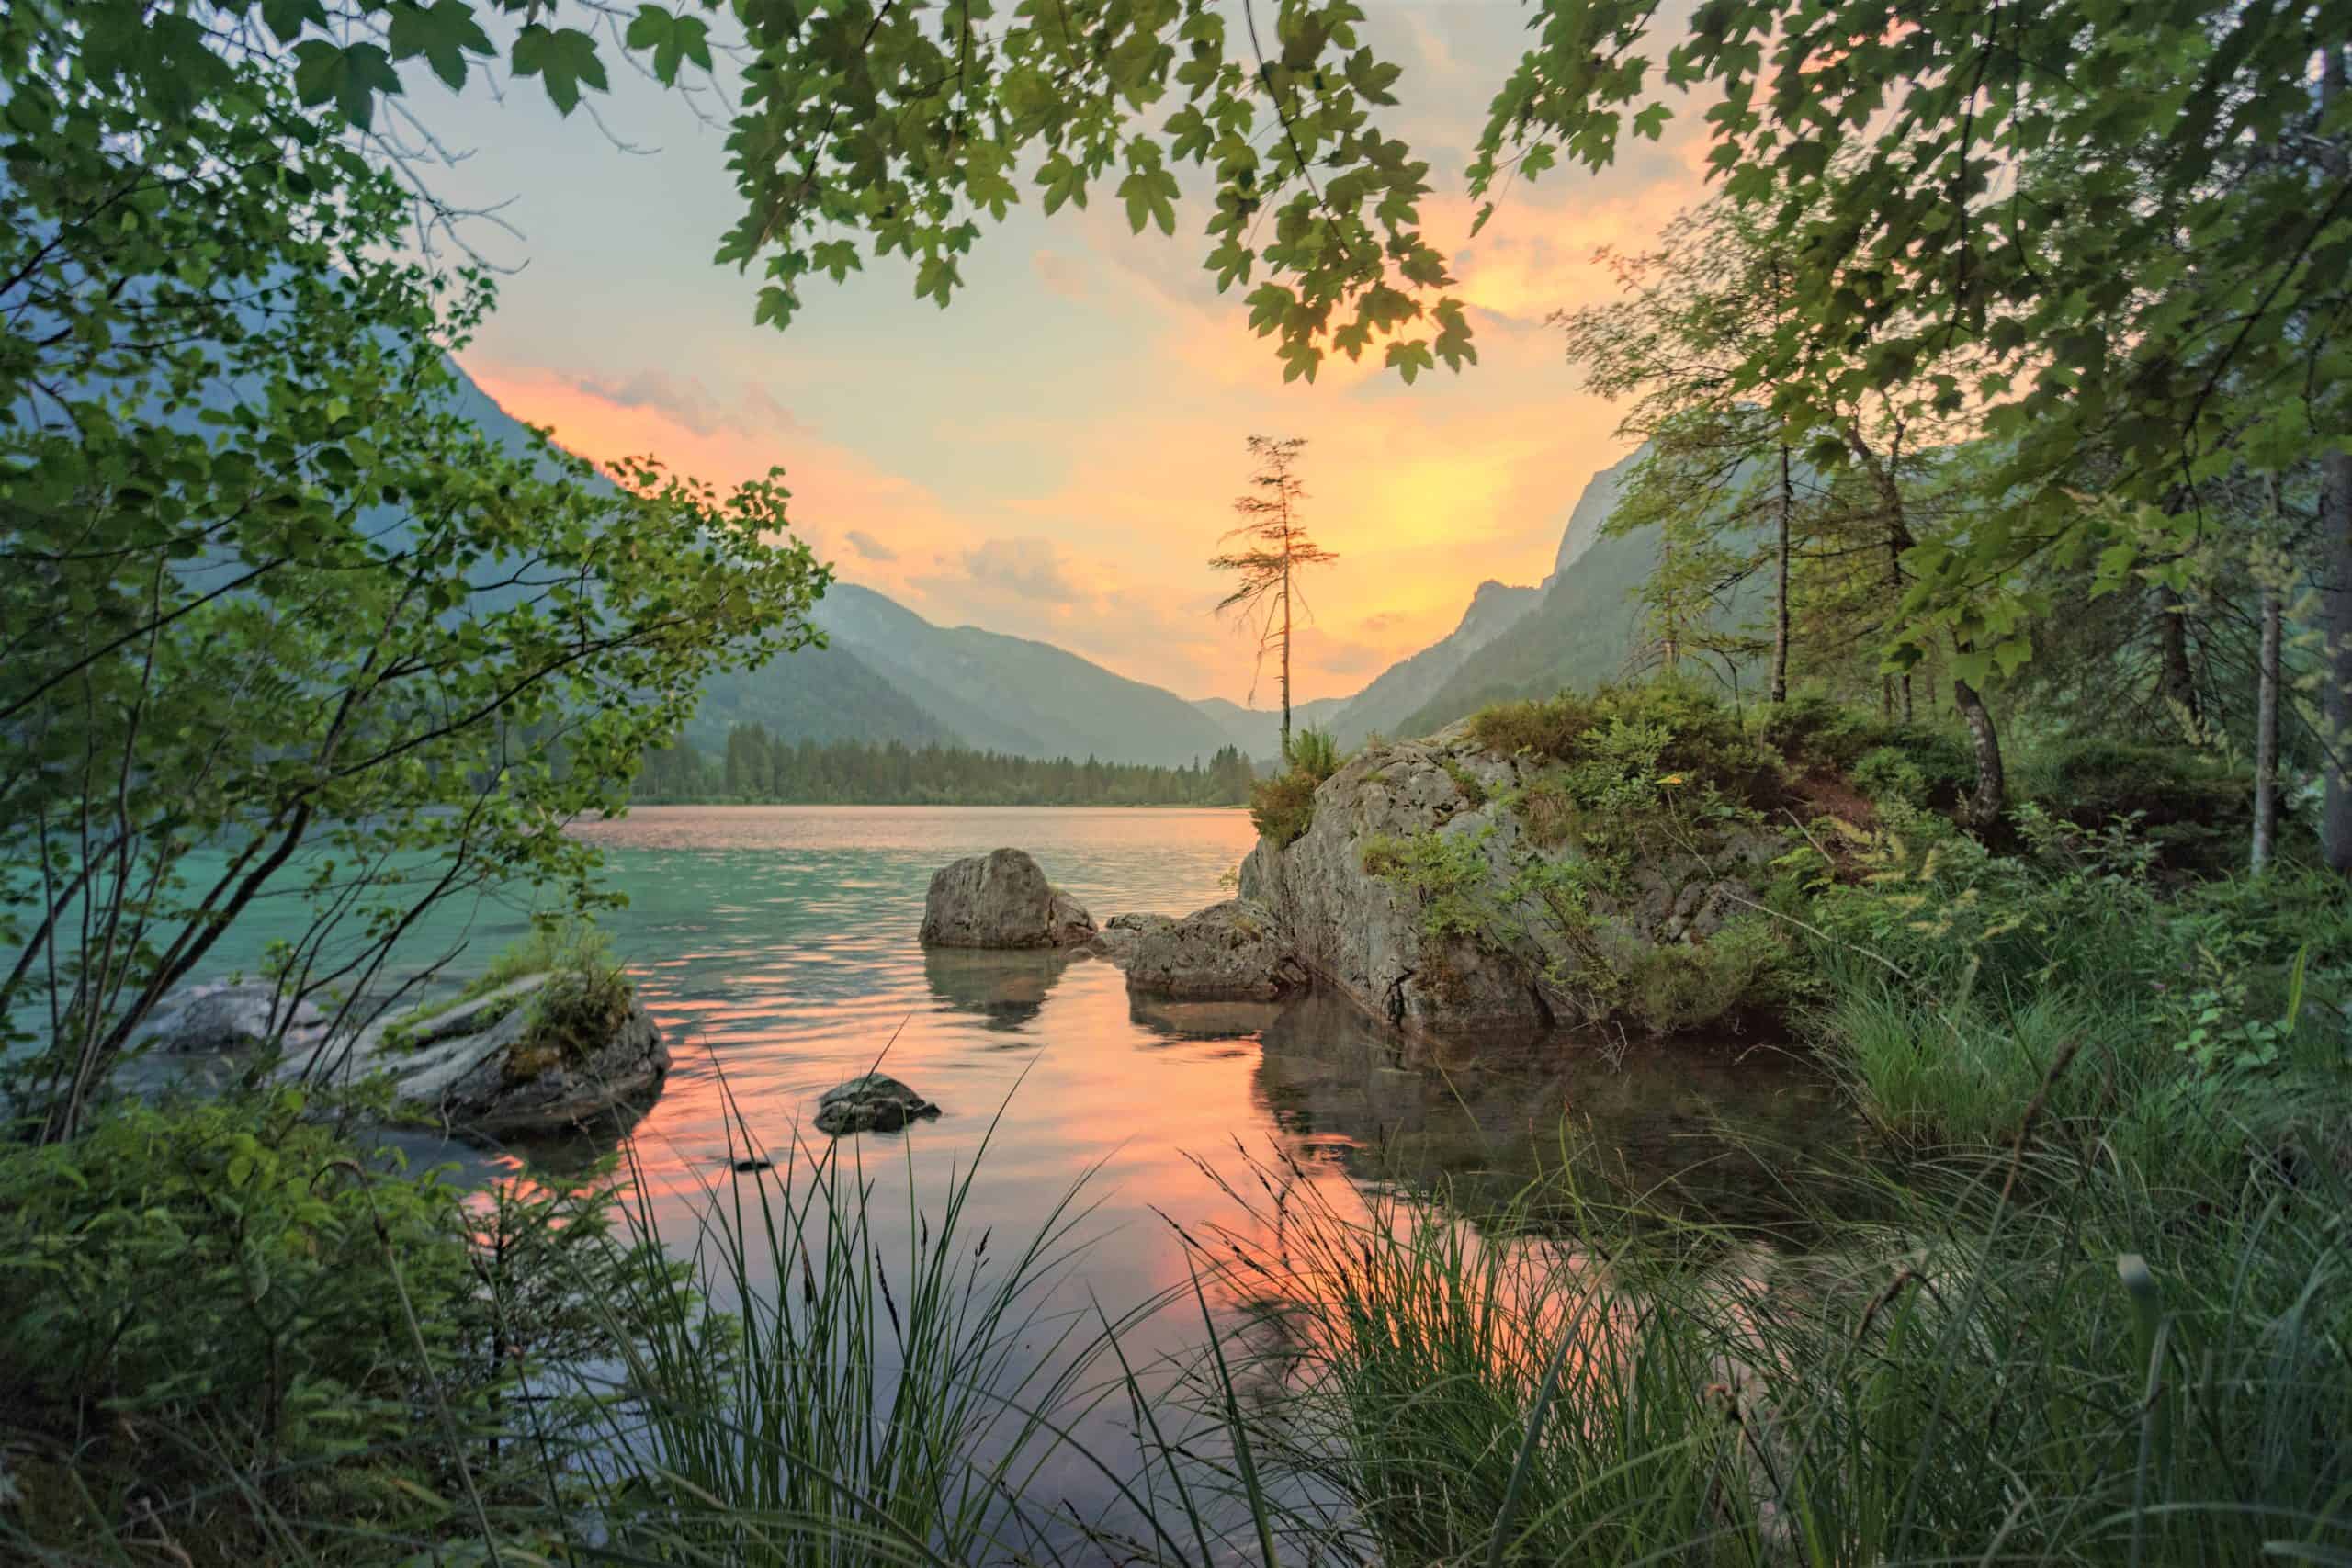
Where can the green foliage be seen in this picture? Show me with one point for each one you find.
(239, 490)
(1283, 806)
(2044, 1358)
(224, 1322)
(1745, 969)
(2200, 1018)
(2092, 782)
(1664, 735)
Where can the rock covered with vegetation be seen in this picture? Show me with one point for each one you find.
(551, 1037)
(1233, 951)
(1002, 899)
(1575, 861)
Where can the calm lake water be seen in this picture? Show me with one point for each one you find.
(776, 946)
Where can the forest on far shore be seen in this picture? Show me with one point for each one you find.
(759, 766)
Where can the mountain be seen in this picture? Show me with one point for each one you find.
(1598, 500)
(891, 675)
(1010, 693)
(1511, 636)
(816, 693)
(1258, 731)
(1582, 633)
(1402, 688)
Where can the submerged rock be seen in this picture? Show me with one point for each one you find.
(1236, 950)
(1002, 899)
(873, 1103)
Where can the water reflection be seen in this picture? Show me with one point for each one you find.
(777, 948)
(1702, 1126)
(1006, 990)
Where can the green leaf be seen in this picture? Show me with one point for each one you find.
(444, 33)
(1410, 357)
(564, 57)
(350, 78)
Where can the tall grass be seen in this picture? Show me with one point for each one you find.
(2090, 1376)
(825, 1395)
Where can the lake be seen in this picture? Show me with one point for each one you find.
(776, 948)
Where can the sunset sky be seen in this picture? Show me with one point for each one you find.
(1056, 455)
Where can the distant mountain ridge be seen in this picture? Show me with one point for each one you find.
(1575, 628)
(890, 674)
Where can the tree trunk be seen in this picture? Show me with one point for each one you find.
(1285, 666)
(2335, 692)
(2177, 684)
(2336, 588)
(2266, 734)
(1984, 806)
(1780, 587)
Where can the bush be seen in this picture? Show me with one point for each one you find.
(2092, 782)
(1919, 767)
(1700, 742)
(1815, 729)
(1743, 969)
(1283, 806)
(224, 1327)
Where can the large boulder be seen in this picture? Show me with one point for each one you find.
(1518, 939)
(1002, 899)
(1235, 949)
(540, 1054)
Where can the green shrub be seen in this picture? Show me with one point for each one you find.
(1672, 987)
(225, 1324)
(1283, 806)
(2091, 781)
(1916, 766)
(1811, 729)
(1699, 741)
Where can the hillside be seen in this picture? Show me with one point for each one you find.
(1404, 687)
(1582, 634)
(1014, 694)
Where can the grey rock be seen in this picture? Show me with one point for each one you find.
(1120, 934)
(507, 1091)
(225, 1016)
(1236, 950)
(873, 1103)
(1002, 899)
(472, 1069)
(1365, 934)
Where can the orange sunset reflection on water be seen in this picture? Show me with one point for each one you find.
(776, 947)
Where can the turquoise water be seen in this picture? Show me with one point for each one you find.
(776, 947)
